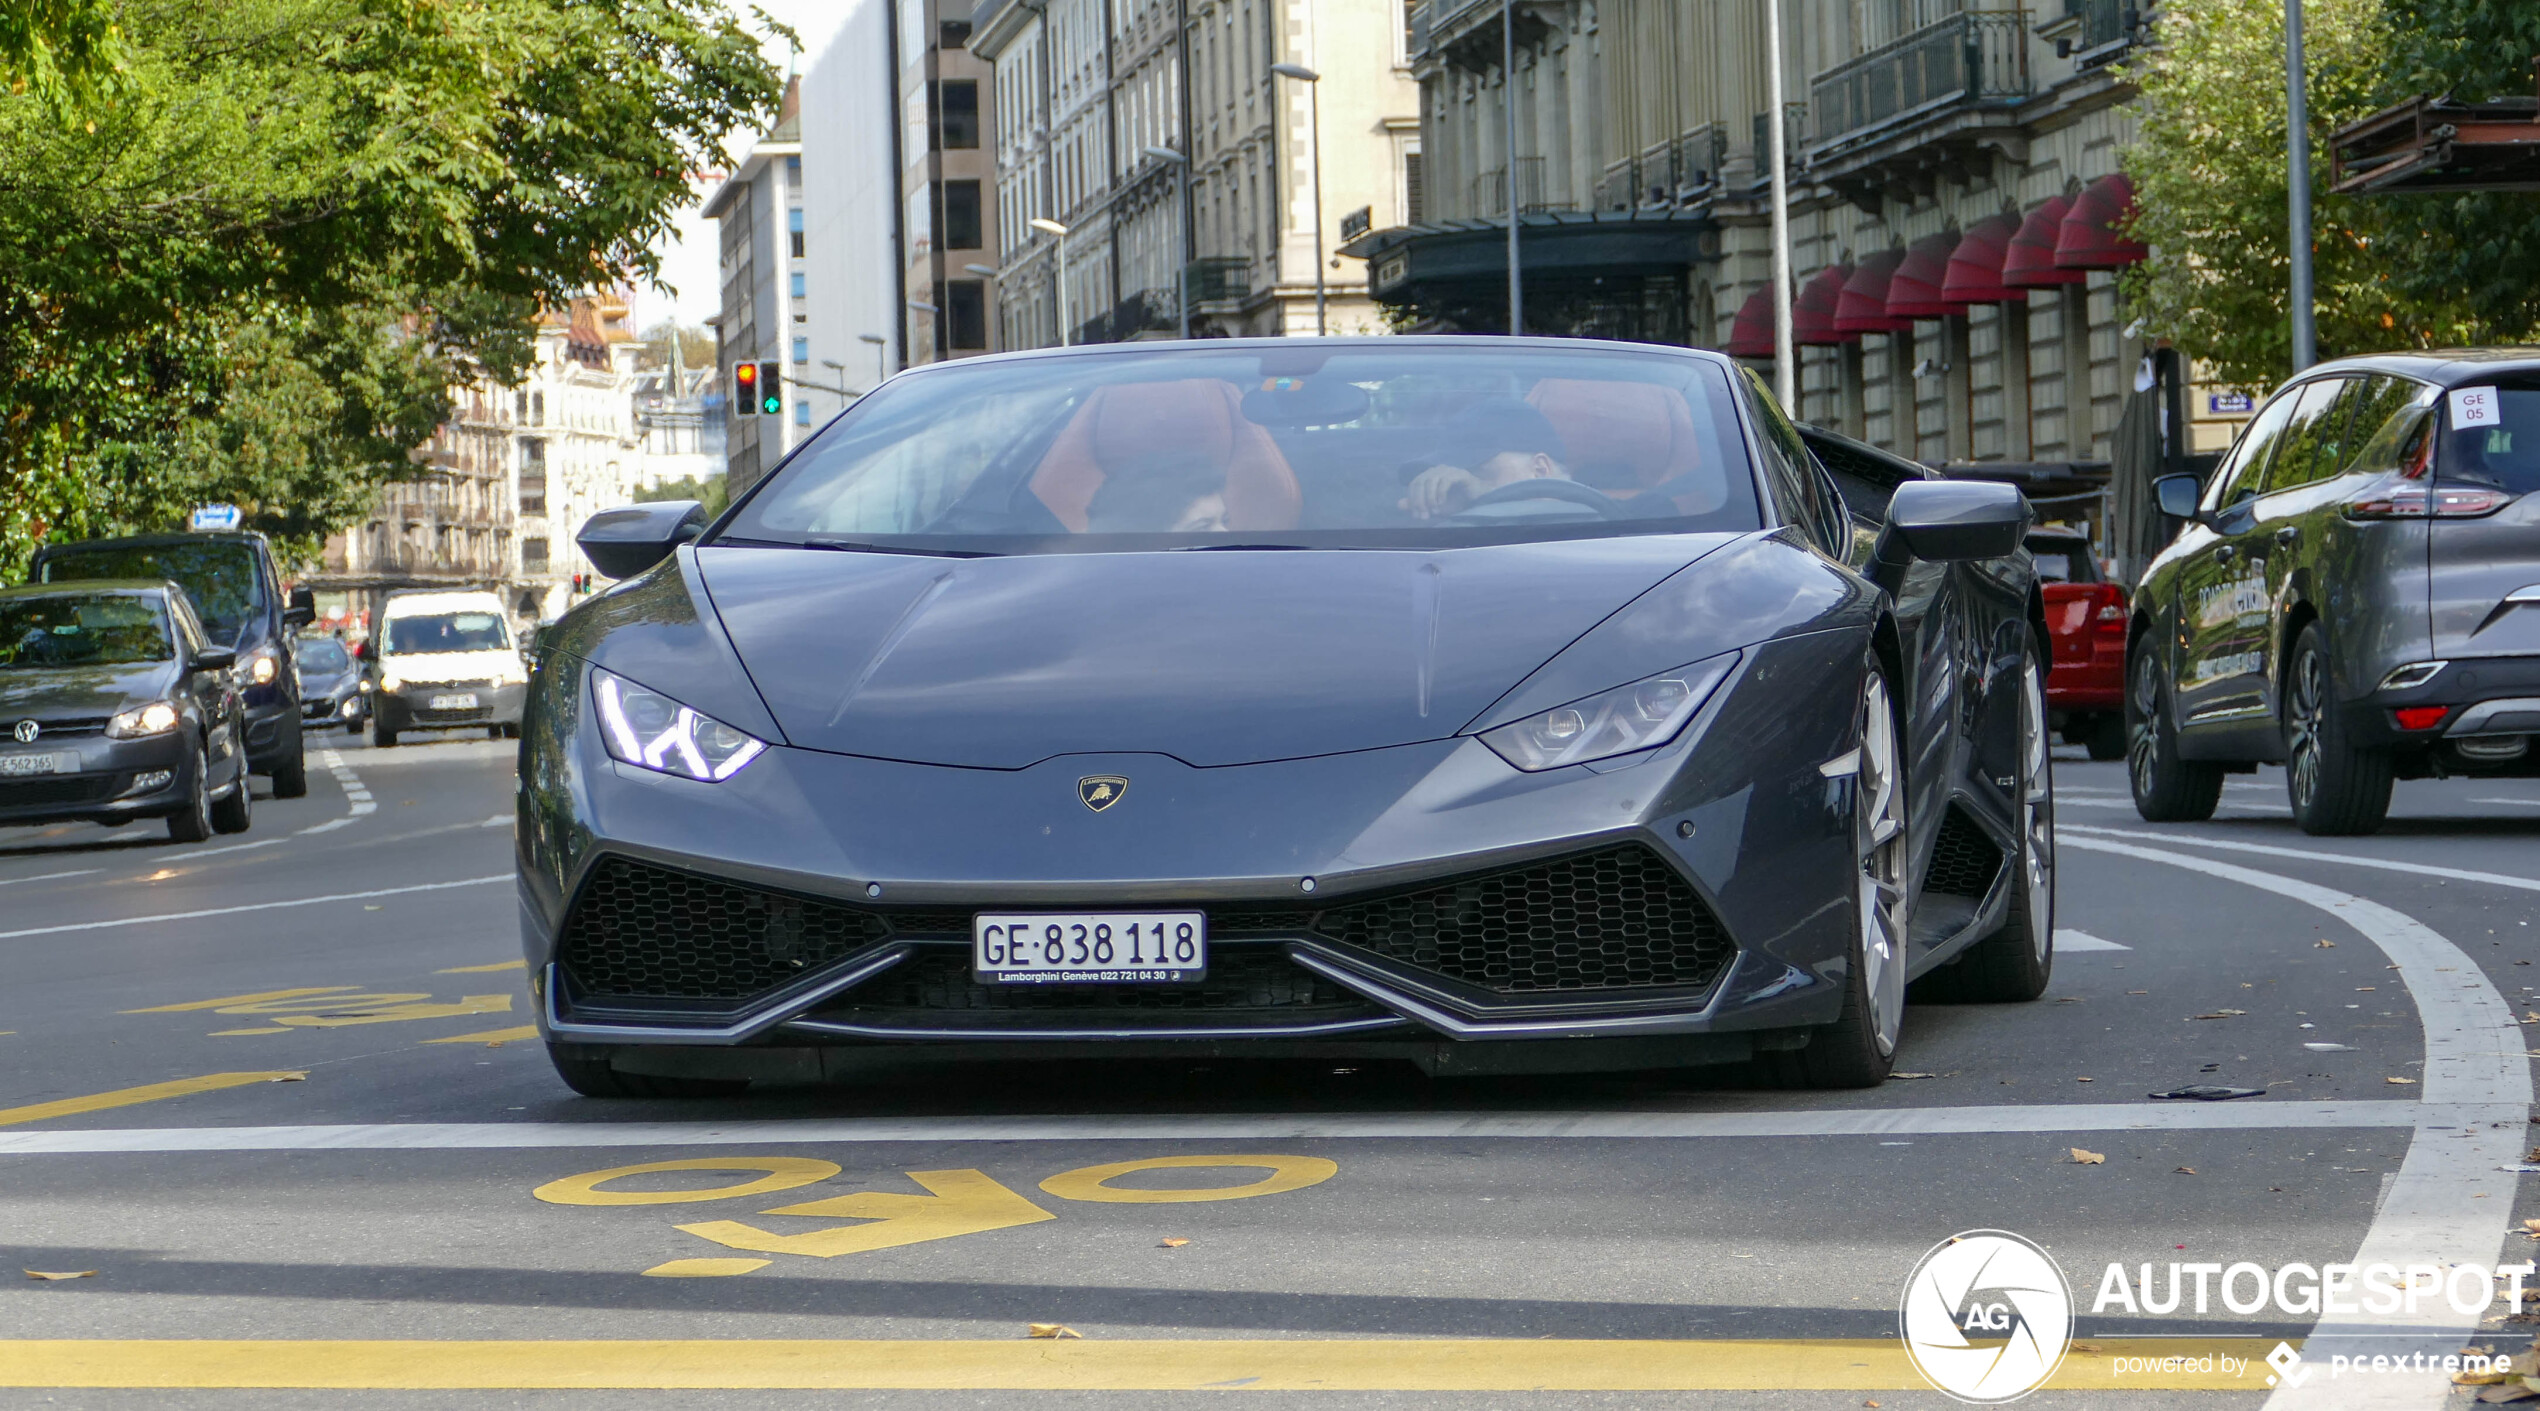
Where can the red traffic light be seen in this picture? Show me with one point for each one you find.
(745, 380)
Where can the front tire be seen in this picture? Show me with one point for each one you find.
(234, 811)
(192, 822)
(593, 1077)
(2015, 963)
(381, 737)
(2107, 737)
(2167, 789)
(1858, 1049)
(2337, 790)
(291, 776)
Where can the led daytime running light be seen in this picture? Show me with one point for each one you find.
(686, 743)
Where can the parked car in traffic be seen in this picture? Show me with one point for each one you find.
(236, 591)
(2356, 596)
(444, 661)
(2086, 621)
(117, 704)
(334, 685)
(1488, 704)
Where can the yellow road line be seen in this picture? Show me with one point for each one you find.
(1443, 1364)
(257, 998)
(127, 1097)
(484, 969)
(490, 1036)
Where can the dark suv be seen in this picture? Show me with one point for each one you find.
(2357, 596)
(237, 592)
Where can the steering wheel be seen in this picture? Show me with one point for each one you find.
(1571, 491)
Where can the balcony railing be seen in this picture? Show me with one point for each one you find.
(1794, 142)
(1959, 61)
(2104, 22)
(1666, 174)
(1219, 279)
(1490, 190)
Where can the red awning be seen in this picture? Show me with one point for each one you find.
(2089, 238)
(1862, 307)
(1975, 267)
(1915, 291)
(1812, 317)
(1751, 333)
(2029, 261)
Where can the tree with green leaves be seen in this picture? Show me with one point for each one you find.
(251, 266)
(2211, 187)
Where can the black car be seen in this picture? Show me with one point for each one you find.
(116, 705)
(238, 593)
(335, 686)
(1497, 705)
(2356, 594)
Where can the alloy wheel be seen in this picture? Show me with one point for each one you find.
(2143, 733)
(2037, 813)
(1879, 835)
(2302, 727)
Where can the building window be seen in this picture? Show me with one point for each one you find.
(966, 311)
(958, 102)
(802, 350)
(802, 413)
(798, 284)
(961, 215)
(794, 228)
(1414, 198)
(533, 555)
(793, 171)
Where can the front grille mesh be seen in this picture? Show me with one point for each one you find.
(1613, 920)
(1246, 978)
(1963, 860)
(648, 932)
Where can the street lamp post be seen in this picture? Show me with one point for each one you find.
(2297, 141)
(1508, 166)
(1181, 267)
(1785, 359)
(1058, 271)
(1314, 128)
(881, 355)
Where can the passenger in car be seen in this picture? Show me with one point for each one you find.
(1501, 442)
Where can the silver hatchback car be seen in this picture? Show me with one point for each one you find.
(2356, 596)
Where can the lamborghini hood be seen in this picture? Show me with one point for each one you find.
(1213, 657)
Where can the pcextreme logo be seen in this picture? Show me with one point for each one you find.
(1986, 1317)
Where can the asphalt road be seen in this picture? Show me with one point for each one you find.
(280, 1094)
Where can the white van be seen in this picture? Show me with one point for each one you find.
(446, 661)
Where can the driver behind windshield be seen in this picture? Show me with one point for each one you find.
(1502, 442)
(1163, 492)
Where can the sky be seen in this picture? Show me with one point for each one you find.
(688, 256)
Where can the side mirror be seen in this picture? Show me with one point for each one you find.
(303, 608)
(1947, 521)
(2178, 495)
(213, 659)
(625, 541)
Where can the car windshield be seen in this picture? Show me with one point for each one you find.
(323, 656)
(221, 576)
(2505, 454)
(447, 632)
(102, 629)
(1356, 446)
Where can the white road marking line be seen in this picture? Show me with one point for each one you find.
(2432, 1211)
(50, 876)
(2518, 803)
(500, 820)
(354, 792)
(1414, 1126)
(233, 847)
(259, 906)
(2062, 800)
(2419, 869)
(2082, 941)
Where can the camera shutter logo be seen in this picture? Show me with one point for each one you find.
(1987, 1317)
(26, 731)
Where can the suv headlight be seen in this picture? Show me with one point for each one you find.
(263, 664)
(141, 722)
(649, 730)
(1640, 716)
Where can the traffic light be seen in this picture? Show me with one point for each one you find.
(745, 385)
(771, 397)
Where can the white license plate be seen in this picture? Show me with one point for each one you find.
(1090, 947)
(39, 764)
(464, 700)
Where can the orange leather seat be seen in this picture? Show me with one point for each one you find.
(1196, 416)
(1646, 429)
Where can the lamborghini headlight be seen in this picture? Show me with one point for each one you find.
(141, 722)
(1640, 716)
(649, 730)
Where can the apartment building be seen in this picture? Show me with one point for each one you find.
(766, 273)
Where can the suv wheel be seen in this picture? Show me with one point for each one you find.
(2167, 789)
(233, 811)
(2336, 788)
(291, 775)
(192, 822)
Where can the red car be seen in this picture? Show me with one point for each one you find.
(2086, 621)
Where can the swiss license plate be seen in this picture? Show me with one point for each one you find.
(464, 700)
(11, 764)
(1090, 947)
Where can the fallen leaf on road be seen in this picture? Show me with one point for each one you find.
(1175, 1242)
(2531, 1228)
(2068, 999)
(2330, 1048)
(2138, 992)
(2209, 1092)
(2223, 1014)
(2323, 943)
(2088, 1158)
(1054, 1330)
(2363, 989)
(2497, 1396)
(288, 1078)
(1893, 1076)
(2085, 1347)
(2085, 1080)
(2402, 1082)
(2184, 1171)
(49, 1276)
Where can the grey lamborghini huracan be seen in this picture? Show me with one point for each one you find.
(1501, 705)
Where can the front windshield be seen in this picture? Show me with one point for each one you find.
(118, 629)
(322, 656)
(1358, 446)
(221, 576)
(447, 632)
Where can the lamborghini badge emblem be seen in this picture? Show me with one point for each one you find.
(1101, 791)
